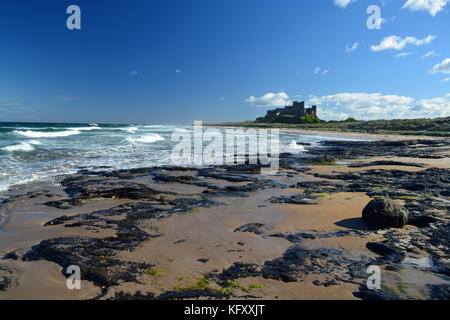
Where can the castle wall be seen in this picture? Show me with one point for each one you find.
(297, 108)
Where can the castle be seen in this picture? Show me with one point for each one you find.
(297, 113)
(297, 109)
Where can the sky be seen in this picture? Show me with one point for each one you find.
(175, 62)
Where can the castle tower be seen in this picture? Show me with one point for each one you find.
(298, 108)
(314, 111)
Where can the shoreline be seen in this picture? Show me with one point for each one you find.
(291, 131)
(229, 233)
(343, 134)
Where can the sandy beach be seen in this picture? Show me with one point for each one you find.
(231, 233)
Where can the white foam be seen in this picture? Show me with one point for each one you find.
(294, 147)
(34, 142)
(149, 138)
(181, 130)
(129, 129)
(85, 128)
(40, 134)
(153, 126)
(24, 146)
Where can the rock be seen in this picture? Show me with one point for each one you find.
(440, 292)
(385, 213)
(203, 260)
(11, 255)
(5, 283)
(296, 199)
(392, 267)
(385, 249)
(420, 221)
(386, 163)
(251, 227)
(366, 294)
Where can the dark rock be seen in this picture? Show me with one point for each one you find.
(366, 294)
(65, 203)
(392, 267)
(95, 257)
(192, 294)
(386, 249)
(386, 163)
(5, 283)
(138, 296)
(440, 292)
(420, 221)
(295, 199)
(11, 255)
(385, 213)
(251, 227)
(203, 260)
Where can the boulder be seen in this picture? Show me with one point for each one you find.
(385, 213)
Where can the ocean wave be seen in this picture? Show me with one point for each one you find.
(85, 128)
(24, 146)
(129, 129)
(149, 138)
(154, 126)
(181, 130)
(294, 147)
(41, 134)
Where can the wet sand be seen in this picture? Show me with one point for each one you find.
(195, 243)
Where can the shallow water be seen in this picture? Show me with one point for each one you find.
(41, 151)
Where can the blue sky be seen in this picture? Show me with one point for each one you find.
(169, 61)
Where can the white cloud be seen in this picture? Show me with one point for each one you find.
(342, 3)
(443, 67)
(403, 54)
(352, 48)
(10, 104)
(178, 71)
(445, 80)
(397, 43)
(436, 107)
(432, 6)
(429, 54)
(270, 99)
(369, 106)
(133, 73)
(321, 71)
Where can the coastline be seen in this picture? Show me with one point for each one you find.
(230, 233)
(343, 134)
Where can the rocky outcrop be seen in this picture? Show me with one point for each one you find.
(385, 213)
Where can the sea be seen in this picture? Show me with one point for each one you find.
(32, 152)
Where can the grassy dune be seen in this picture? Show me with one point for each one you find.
(430, 127)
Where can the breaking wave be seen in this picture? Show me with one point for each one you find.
(294, 147)
(149, 138)
(41, 134)
(24, 146)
